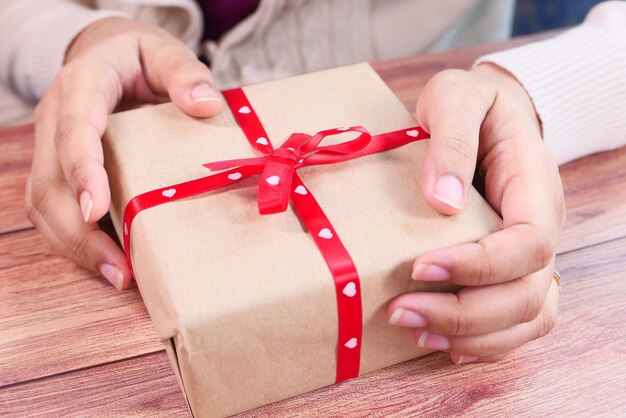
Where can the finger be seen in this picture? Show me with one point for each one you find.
(525, 186)
(495, 345)
(83, 105)
(452, 108)
(55, 213)
(464, 358)
(53, 209)
(171, 68)
(474, 310)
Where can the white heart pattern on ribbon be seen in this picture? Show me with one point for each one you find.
(168, 192)
(244, 110)
(262, 140)
(325, 233)
(349, 290)
(273, 180)
(413, 133)
(343, 129)
(301, 190)
(125, 229)
(351, 343)
(234, 176)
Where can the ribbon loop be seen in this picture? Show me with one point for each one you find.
(345, 147)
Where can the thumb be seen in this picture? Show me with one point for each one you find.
(452, 108)
(171, 68)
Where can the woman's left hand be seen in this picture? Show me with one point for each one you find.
(484, 118)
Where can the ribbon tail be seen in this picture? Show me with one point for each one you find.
(345, 276)
(274, 187)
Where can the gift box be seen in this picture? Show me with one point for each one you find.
(257, 300)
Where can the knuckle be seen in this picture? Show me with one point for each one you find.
(531, 306)
(485, 347)
(31, 212)
(77, 170)
(68, 74)
(187, 64)
(449, 78)
(66, 126)
(485, 268)
(459, 143)
(457, 321)
(152, 34)
(40, 193)
(79, 245)
(544, 249)
(546, 324)
(460, 83)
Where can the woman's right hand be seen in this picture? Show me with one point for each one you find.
(112, 60)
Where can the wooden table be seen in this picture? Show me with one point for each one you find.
(72, 345)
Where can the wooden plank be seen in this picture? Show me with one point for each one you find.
(579, 369)
(595, 198)
(143, 386)
(16, 150)
(47, 302)
(56, 316)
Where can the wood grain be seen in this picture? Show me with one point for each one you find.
(142, 386)
(564, 374)
(55, 316)
(16, 153)
(71, 345)
(595, 198)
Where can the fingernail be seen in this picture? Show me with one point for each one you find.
(113, 275)
(449, 190)
(406, 318)
(460, 358)
(86, 204)
(431, 341)
(430, 273)
(204, 93)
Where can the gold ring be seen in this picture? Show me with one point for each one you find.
(557, 278)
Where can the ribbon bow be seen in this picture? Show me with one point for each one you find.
(278, 167)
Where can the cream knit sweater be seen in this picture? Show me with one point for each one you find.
(577, 80)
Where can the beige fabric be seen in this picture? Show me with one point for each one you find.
(577, 82)
(268, 45)
(287, 37)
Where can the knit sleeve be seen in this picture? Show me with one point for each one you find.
(577, 82)
(34, 37)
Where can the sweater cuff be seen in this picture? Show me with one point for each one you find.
(50, 42)
(577, 82)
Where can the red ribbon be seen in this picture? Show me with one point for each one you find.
(280, 183)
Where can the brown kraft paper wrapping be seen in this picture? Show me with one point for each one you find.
(246, 303)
